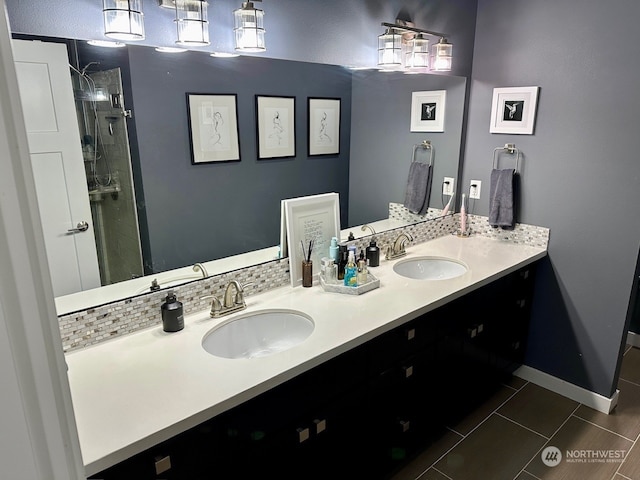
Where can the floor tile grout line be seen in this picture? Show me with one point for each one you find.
(547, 442)
(434, 468)
(523, 426)
(629, 381)
(528, 473)
(625, 459)
(603, 428)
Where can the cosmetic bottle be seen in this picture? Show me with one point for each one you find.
(342, 260)
(172, 318)
(362, 276)
(333, 250)
(373, 253)
(351, 271)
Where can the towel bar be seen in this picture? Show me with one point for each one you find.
(426, 145)
(510, 148)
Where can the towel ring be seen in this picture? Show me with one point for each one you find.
(510, 148)
(426, 145)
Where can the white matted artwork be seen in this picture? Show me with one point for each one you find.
(213, 128)
(513, 110)
(324, 126)
(276, 126)
(314, 220)
(427, 111)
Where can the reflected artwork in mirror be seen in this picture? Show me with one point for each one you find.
(188, 214)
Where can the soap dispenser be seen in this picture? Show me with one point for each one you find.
(373, 253)
(172, 317)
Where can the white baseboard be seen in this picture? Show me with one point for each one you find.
(569, 390)
(633, 339)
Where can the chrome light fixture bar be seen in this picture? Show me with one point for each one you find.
(123, 19)
(249, 28)
(192, 23)
(404, 46)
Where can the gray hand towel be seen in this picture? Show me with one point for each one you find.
(501, 198)
(416, 198)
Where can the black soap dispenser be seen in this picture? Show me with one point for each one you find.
(172, 318)
(373, 253)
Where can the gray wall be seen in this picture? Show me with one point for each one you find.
(382, 143)
(580, 169)
(207, 211)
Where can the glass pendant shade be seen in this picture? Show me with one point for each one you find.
(123, 19)
(390, 50)
(192, 23)
(442, 56)
(417, 55)
(249, 28)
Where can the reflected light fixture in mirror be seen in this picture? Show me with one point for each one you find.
(442, 56)
(192, 23)
(123, 19)
(249, 28)
(170, 49)
(106, 44)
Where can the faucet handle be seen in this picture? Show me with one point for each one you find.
(216, 306)
(239, 300)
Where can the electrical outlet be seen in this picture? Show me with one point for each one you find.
(474, 189)
(448, 185)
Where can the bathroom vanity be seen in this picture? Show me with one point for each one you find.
(379, 377)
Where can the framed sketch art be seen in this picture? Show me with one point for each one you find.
(427, 111)
(276, 126)
(213, 127)
(513, 110)
(324, 126)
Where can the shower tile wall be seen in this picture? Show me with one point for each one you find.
(117, 234)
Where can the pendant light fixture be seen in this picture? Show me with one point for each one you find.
(192, 23)
(417, 54)
(123, 19)
(390, 50)
(249, 28)
(442, 56)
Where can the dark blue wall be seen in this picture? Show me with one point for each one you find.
(191, 209)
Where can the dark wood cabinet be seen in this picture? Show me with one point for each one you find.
(366, 412)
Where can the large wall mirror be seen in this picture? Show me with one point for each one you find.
(180, 213)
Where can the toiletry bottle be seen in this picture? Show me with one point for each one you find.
(351, 237)
(333, 250)
(373, 253)
(362, 277)
(351, 271)
(352, 248)
(172, 318)
(342, 260)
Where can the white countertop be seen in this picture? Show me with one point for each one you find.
(133, 392)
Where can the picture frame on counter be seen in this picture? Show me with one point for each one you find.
(513, 110)
(213, 127)
(276, 126)
(428, 110)
(323, 126)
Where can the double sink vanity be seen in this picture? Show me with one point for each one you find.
(260, 390)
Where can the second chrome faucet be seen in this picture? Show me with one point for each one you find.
(396, 249)
(233, 300)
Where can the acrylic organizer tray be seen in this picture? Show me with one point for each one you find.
(371, 284)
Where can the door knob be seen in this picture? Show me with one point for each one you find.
(81, 227)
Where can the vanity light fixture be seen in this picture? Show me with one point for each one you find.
(224, 54)
(192, 23)
(442, 56)
(123, 19)
(249, 28)
(406, 47)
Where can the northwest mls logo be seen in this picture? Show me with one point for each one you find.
(551, 456)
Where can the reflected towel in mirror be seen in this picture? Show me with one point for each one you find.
(418, 191)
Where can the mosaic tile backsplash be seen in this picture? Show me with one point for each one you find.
(89, 327)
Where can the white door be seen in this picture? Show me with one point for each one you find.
(46, 93)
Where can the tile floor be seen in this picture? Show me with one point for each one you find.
(504, 439)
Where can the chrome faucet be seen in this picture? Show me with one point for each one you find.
(231, 303)
(396, 250)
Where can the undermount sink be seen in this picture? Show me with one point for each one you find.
(430, 268)
(258, 334)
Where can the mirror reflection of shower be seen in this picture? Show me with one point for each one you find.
(102, 121)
